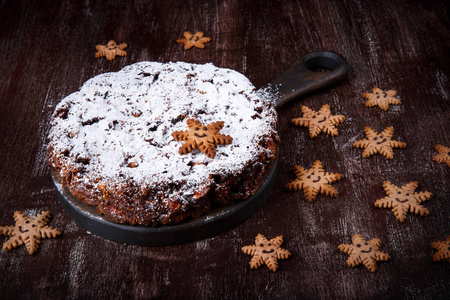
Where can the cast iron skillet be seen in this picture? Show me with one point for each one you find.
(299, 79)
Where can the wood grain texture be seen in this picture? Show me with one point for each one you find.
(47, 52)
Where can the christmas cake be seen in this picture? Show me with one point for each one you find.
(126, 142)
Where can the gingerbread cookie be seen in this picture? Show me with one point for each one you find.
(313, 181)
(265, 251)
(201, 137)
(110, 50)
(365, 252)
(378, 143)
(320, 121)
(443, 156)
(402, 199)
(190, 40)
(381, 98)
(443, 250)
(29, 231)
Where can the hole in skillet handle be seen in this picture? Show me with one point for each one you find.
(307, 75)
(319, 62)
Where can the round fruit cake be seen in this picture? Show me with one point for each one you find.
(156, 143)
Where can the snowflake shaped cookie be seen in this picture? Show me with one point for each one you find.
(266, 251)
(443, 250)
(402, 199)
(110, 50)
(29, 231)
(443, 156)
(378, 143)
(201, 137)
(365, 252)
(190, 40)
(319, 121)
(313, 181)
(381, 98)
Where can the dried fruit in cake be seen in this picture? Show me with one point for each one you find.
(443, 156)
(194, 40)
(266, 251)
(319, 121)
(381, 98)
(403, 199)
(314, 181)
(110, 50)
(202, 137)
(443, 250)
(365, 252)
(378, 143)
(113, 145)
(28, 231)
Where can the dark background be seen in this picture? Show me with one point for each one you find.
(47, 52)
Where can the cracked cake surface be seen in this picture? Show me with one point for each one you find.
(112, 141)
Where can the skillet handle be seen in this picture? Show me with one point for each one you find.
(300, 78)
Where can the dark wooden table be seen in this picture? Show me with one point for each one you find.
(47, 52)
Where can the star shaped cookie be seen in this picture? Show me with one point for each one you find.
(443, 250)
(29, 231)
(381, 98)
(265, 251)
(110, 50)
(320, 121)
(313, 181)
(402, 199)
(443, 156)
(365, 252)
(190, 40)
(201, 137)
(378, 143)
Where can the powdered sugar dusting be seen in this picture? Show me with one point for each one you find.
(120, 124)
